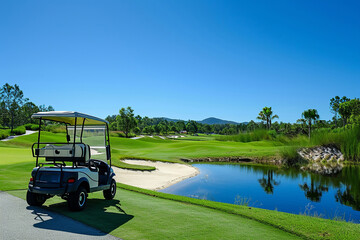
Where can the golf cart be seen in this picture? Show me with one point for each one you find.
(74, 167)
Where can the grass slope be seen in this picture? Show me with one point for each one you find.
(147, 217)
(166, 149)
(174, 150)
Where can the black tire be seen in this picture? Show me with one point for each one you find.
(77, 200)
(35, 199)
(110, 193)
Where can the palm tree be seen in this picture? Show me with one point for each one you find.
(310, 115)
(268, 182)
(266, 115)
(313, 192)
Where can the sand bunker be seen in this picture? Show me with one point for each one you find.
(165, 175)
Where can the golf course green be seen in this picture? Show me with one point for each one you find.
(143, 214)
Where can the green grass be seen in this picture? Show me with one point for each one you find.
(167, 149)
(257, 135)
(154, 215)
(174, 150)
(347, 140)
(156, 218)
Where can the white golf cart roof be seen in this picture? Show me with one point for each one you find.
(69, 118)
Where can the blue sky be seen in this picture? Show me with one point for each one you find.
(182, 59)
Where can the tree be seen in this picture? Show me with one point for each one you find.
(180, 125)
(251, 126)
(268, 182)
(310, 115)
(267, 116)
(335, 105)
(191, 126)
(27, 110)
(349, 109)
(111, 118)
(12, 98)
(126, 120)
(313, 192)
(43, 108)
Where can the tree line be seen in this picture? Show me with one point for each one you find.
(345, 110)
(128, 123)
(15, 109)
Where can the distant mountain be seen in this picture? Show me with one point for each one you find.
(167, 119)
(212, 120)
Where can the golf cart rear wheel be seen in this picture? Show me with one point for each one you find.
(35, 199)
(77, 200)
(110, 193)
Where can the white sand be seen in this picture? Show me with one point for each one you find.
(165, 175)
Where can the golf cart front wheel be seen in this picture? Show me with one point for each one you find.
(77, 200)
(110, 193)
(35, 199)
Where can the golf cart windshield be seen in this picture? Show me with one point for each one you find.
(87, 137)
(94, 136)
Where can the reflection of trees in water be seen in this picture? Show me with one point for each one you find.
(314, 191)
(349, 197)
(267, 182)
(349, 177)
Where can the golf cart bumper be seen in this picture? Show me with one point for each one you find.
(53, 191)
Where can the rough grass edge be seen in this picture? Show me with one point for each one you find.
(224, 207)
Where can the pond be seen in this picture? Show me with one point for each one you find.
(268, 187)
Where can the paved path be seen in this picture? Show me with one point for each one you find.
(20, 221)
(28, 132)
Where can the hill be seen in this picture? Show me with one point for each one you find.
(212, 120)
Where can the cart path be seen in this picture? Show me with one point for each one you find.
(28, 132)
(20, 221)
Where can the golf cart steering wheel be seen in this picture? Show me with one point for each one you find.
(93, 165)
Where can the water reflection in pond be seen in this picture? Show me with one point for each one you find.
(287, 190)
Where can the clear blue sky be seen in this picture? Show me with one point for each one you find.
(182, 59)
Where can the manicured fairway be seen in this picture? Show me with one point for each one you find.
(173, 150)
(167, 149)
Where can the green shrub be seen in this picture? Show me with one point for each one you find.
(121, 134)
(346, 139)
(54, 128)
(19, 130)
(257, 135)
(4, 134)
(30, 126)
(290, 156)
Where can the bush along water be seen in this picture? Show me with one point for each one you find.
(324, 153)
(347, 140)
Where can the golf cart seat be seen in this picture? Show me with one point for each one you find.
(65, 153)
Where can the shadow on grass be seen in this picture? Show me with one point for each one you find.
(104, 215)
